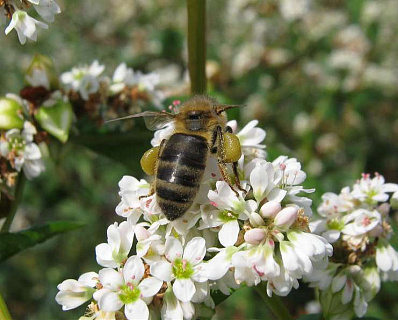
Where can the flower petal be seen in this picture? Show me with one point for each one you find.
(229, 232)
(150, 286)
(162, 270)
(133, 270)
(173, 249)
(184, 289)
(138, 310)
(195, 250)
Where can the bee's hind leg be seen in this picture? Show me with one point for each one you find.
(236, 176)
(224, 173)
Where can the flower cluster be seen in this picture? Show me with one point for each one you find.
(227, 238)
(18, 150)
(356, 222)
(25, 25)
(125, 93)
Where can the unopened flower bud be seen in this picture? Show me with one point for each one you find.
(270, 209)
(141, 233)
(255, 236)
(41, 72)
(286, 217)
(256, 220)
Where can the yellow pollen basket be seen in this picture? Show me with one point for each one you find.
(149, 159)
(232, 150)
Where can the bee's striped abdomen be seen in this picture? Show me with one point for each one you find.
(180, 170)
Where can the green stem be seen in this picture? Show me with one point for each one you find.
(14, 204)
(274, 303)
(4, 313)
(197, 45)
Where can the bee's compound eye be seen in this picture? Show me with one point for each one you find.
(194, 116)
(148, 161)
(232, 149)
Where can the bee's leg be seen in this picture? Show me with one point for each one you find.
(236, 175)
(220, 159)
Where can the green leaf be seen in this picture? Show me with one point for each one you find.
(10, 114)
(56, 119)
(12, 243)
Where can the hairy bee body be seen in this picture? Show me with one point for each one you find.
(180, 169)
(178, 164)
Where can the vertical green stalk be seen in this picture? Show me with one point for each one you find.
(14, 203)
(197, 45)
(274, 303)
(4, 313)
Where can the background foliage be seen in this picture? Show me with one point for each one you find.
(323, 82)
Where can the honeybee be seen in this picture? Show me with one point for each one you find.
(179, 162)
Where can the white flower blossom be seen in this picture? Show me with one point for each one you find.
(18, 147)
(120, 240)
(25, 26)
(84, 80)
(185, 266)
(128, 289)
(73, 293)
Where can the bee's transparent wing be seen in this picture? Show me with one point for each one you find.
(153, 120)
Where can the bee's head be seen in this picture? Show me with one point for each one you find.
(201, 113)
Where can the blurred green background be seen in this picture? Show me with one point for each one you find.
(321, 76)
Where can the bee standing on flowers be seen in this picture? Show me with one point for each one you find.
(180, 161)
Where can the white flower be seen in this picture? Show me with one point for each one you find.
(230, 208)
(374, 190)
(185, 266)
(127, 288)
(25, 26)
(314, 246)
(120, 240)
(387, 260)
(264, 180)
(361, 221)
(122, 77)
(22, 152)
(74, 293)
(84, 80)
(130, 192)
(47, 9)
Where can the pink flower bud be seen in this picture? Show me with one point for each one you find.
(270, 209)
(255, 236)
(286, 217)
(141, 233)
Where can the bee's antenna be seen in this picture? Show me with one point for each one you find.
(220, 108)
(122, 118)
